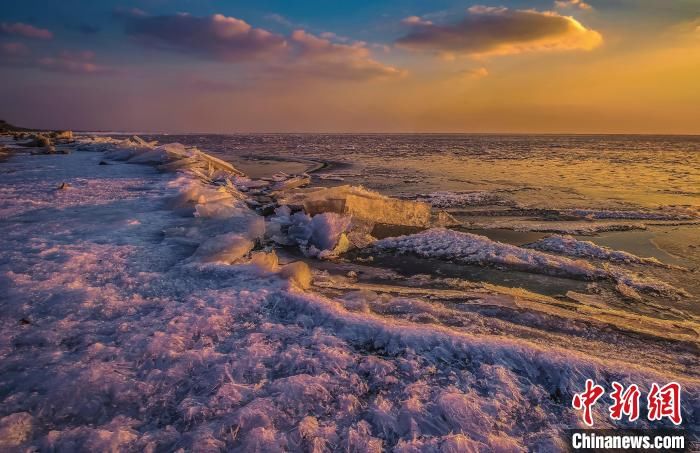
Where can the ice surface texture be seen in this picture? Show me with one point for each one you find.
(441, 243)
(567, 245)
(444, 244)
(114, 338)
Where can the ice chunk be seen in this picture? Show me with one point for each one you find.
(299, 230)
(245, 184)
(265, 261)
(218, 164)
(209, 201)
(298, 273)
(225, 248)
(327, 228)
(362, 204)
(162, 154)
(293, 182)
(115, 149)
(323, 235)
(168, 157)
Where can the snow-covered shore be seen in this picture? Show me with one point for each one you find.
(135, 317)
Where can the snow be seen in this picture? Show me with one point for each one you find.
(568, 245)
(115, 338)
(468, 248)
(15, 429)
(447, 199)
(627, 281)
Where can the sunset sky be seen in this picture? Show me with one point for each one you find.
(599, 66)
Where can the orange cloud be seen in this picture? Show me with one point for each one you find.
(476, 73)
(415, 20)
(319, 56)
(500, 31)
(580, 4)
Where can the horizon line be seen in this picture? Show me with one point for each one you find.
(311, 132)
(145, 132)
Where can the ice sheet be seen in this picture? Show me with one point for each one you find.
(114, 339)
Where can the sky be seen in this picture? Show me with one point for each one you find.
(215, 66)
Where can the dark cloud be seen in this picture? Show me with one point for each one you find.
(219, 37)
(499, 31)
(24, 30)
(229, 39)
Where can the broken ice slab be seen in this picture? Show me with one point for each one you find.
(362, 204)
(168, 157)
(293, 182)
(219, 164)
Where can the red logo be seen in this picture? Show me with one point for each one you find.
(662, 402)
(625, 402)
(665, 402)
(585, 400)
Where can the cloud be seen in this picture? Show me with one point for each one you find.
(75, 63)
(580, 4)
(319, 56)
(280, 19)
(329, 35)
(218, 36)
(24, 30)
(500, 31)
(13, 49)
(476, 73)
(415, 20)
(232, 40)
